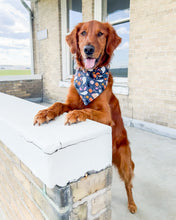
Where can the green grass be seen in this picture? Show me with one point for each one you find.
(14, 72)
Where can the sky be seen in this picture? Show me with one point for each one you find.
(14, 33)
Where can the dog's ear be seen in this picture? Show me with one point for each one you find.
(113, 40)
(72, 39)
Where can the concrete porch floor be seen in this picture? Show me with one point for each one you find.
(154, 182)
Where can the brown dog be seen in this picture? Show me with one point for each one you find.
(93, 44)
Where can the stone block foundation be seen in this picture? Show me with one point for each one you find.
(24, 196)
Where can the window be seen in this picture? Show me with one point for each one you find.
(118, 15)
(74, 13)
(71, 15)
(116, 12)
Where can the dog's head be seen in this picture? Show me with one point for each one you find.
(93, 43)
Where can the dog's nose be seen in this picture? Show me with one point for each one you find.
(89, 49)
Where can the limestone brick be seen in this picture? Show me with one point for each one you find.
(24, 196)
(90, 184)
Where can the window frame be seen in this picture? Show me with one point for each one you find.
(65, 49)
(120, 21)
(120, 85)
(67, 64)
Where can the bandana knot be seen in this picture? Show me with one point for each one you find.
(90, 84)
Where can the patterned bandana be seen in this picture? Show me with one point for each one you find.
(91, 84)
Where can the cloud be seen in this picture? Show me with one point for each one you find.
(122, 30)
(14, 43)
(12, 19)
(127, 11)
(124, 46)
(14, 56)
(14, 33)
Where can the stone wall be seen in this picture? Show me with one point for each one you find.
(24, 196)
(26, 87)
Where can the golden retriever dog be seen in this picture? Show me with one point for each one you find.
(90, 94)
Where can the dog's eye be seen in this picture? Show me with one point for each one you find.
(83, 33)
(100, 34)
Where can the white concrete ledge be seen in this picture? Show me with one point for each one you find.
(20, 77)
(55, 153)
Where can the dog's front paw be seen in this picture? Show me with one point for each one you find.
(75, 116)
(44, 116)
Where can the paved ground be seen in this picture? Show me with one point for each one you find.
(154, 182)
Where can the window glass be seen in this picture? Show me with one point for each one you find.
(74, 13)
(117, 10)
(119, 62)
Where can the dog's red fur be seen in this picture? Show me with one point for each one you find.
(105, 108)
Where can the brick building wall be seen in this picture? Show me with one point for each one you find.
(24, 196)
(88, 10)
(151, 75)
(152, 61)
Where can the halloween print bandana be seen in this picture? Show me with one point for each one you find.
(90, 84)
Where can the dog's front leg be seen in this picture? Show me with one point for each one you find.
(50, 113)
(92, 114)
